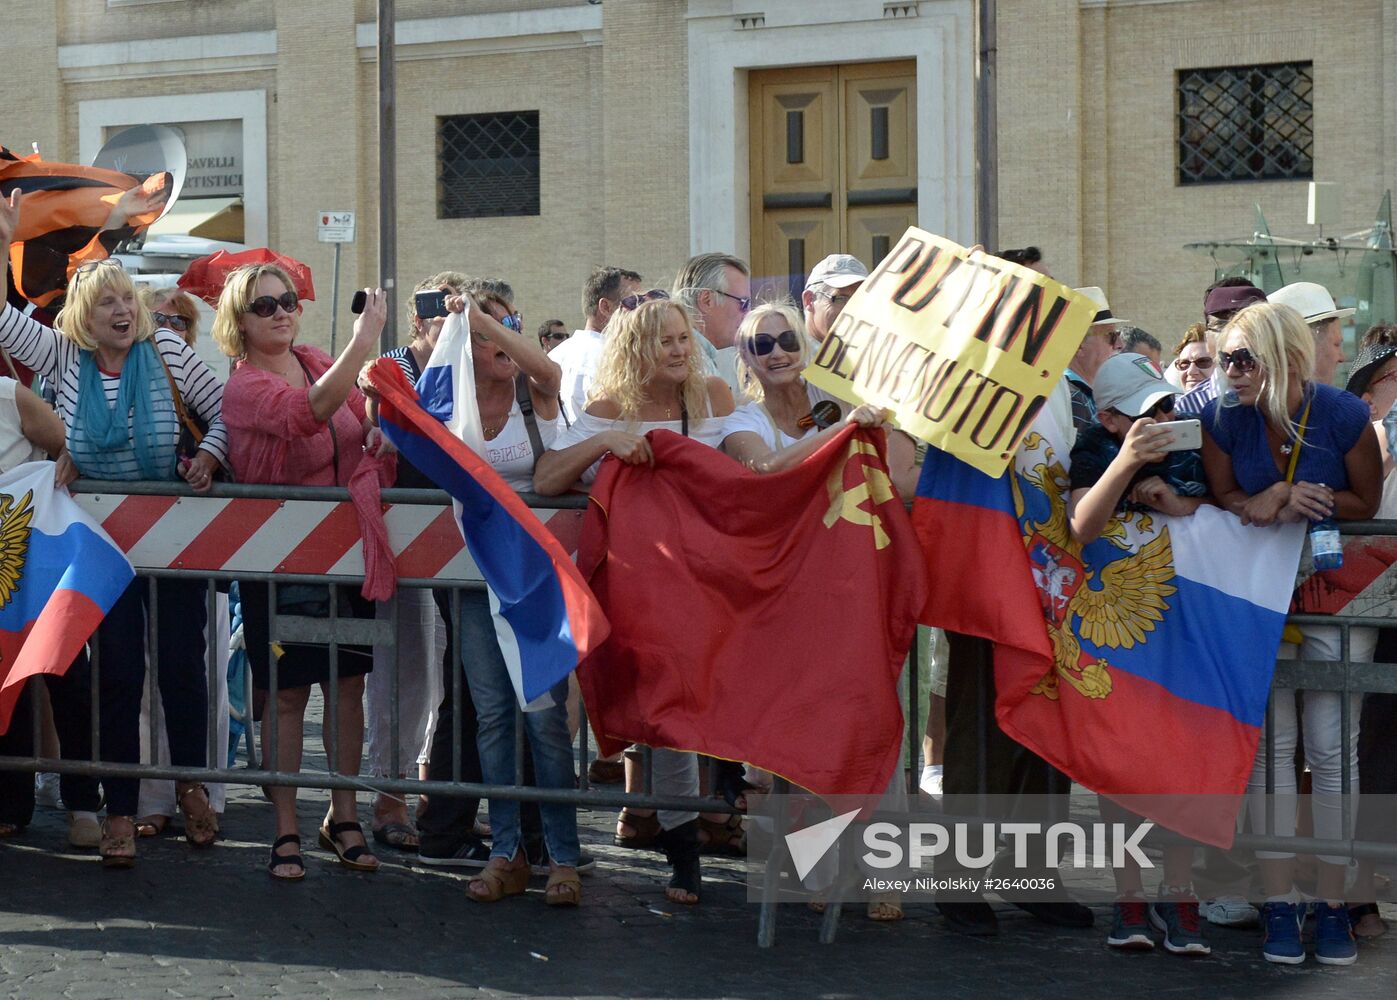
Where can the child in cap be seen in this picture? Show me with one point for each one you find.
(1120, 464)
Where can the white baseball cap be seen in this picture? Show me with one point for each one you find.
(838, 270)
(1310, 300)
(1129, 384)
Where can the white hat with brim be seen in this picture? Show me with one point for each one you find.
(1310, 300)
(1103, 308)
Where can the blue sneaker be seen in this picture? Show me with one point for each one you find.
(1281, 925)
(1130, 929)
(1334, 943)
(1177, 917)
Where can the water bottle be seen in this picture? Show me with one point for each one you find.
(1325, 546)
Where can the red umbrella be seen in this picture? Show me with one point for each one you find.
(206, 276)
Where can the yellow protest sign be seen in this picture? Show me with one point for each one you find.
(964, 348)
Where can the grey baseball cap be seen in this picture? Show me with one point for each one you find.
(1129, 384)
(838, 270)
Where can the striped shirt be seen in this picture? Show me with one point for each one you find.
(59, 361)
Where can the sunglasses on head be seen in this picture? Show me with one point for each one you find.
(265, 305)
(763, 343)
(1202, 364)
(174, 321)
(1242, 359)
(630, 302)
(96, 265)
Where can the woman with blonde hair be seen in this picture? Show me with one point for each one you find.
(295, 418)
(117, 377)
(788, 418)
(651, 376)
(173, 309)
(1282, 447)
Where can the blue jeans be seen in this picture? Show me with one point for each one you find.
(547, 731)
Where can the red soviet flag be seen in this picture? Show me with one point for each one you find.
(755, 618)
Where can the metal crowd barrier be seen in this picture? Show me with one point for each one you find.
(163, 551)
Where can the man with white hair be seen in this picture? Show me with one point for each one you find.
(1314, 302)
(717, 288)
(831, 284)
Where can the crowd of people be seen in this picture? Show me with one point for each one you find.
(699, 358)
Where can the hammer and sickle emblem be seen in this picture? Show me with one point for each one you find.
(844, 504)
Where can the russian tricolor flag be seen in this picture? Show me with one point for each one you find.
(1139, 665)
(546, 618)
(59, 576)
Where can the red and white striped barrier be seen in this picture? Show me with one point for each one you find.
(319, 537)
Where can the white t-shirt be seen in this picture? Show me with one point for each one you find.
(707, 431)
(577, 357)
(755, 418)
(15, 448)
(511, 454)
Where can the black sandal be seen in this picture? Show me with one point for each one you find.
(349, 856)
(287, 859)
(681, 847)
(647, 831)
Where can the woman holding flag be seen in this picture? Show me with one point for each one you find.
(1283, 448)
(650, 377)
(516, 402)
(119, 381)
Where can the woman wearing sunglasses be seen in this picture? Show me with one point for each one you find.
(116, 377)
(174, 310)
(651, 376)
(788, 418)
(1193, 361)
(295, 418)
(1284, 448)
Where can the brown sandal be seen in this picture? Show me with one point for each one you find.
(151, 826)
(568, 886)
(646, 828)
(500, 882)
(200, 825)
(723, 838)
(118, 851)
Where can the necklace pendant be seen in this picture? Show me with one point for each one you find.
(1287, 448)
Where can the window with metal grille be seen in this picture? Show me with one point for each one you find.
(1246, 123)
(487, 165)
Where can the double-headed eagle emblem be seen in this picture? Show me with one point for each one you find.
(1113, 609)
(14, 542)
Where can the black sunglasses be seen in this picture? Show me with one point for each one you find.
(556, 336)
(265, 306)
(633, 301)
(174, 321)
(788, 340)
(1242, 358)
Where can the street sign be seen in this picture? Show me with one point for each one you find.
(335, 227)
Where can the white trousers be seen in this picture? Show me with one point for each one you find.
(1324, 753)
(422, 643)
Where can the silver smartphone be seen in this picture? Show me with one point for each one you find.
(1188, 434)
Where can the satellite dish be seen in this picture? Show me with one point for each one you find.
(144, 150)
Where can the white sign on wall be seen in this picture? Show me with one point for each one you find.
(335, 227)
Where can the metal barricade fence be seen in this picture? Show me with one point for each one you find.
(284, 535)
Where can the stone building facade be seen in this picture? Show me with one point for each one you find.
(778, 129)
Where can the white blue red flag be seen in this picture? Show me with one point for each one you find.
(546, 619)
(1161, 634)
(59, 576)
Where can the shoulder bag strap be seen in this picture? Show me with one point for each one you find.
(1299, 443)
(526, 407)
(180, 412)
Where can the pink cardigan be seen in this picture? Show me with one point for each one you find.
(274, 437)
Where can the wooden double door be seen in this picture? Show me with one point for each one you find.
(833, 166)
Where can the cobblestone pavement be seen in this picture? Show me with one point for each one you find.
(213, 924)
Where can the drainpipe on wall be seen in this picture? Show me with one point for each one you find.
(387, 170)
(986, 126)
